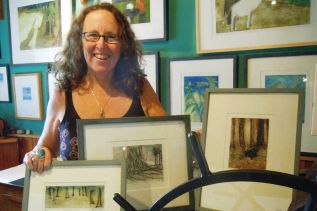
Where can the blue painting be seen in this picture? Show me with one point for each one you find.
(27, 95)
(287, 81)
(194, 92)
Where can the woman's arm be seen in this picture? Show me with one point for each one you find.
(150, 102)
(49, 140)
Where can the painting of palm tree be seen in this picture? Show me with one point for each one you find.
(194, 94)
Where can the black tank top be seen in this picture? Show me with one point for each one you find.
(68, 129)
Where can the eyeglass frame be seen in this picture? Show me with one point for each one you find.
(105, 37)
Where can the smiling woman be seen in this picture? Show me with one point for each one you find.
(98, 75)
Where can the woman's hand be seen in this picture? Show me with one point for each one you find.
(39, 159)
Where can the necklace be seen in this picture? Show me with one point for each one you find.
(101, 108)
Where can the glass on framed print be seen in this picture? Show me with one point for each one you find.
(153, 148)
(28, 96)
(147, 17)
(150, 66)
(189, 78)
(4, 84)
(38, 29)
(65, 187)
(223, 25)
(287, 70)
(242, 130)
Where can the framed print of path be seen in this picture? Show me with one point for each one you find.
(75, 186)
(147, 17)
(188, 79)
(153, 147)
(38, 29)
(288, 70)
(251, 129)
(267, 26)
(4, 84)
(28, 96)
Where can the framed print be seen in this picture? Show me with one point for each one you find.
(287, 70)
(150, 65)
(65, 187)
(51, 82)
(4, 84)
(153, 148)
(223, 25)
(242, 130)
(28, 96)
(147, 17)
(38, 29)
(188, 79)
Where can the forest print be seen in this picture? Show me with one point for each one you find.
(248, 143)
(74, 196)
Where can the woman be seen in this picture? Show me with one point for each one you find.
(99, 77)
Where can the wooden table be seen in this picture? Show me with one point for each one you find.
(11, 188)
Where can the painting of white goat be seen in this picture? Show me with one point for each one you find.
(239, 15)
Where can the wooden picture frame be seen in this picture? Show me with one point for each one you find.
(263, 144)
(4, 84)
(162, 141)
(93, 190)
(287, 70)
(28, 98)
(150, 65)
(265, 28)
(148, 25)
(188, 79)
(30, 43)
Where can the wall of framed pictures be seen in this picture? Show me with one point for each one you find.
(179, 42)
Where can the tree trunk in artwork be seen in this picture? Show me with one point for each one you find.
(247, 133)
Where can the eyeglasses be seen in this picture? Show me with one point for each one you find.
(94, 37)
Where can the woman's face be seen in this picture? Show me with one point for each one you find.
(101, 57)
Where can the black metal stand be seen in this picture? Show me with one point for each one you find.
(209, 178)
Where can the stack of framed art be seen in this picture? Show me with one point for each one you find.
(153, 147)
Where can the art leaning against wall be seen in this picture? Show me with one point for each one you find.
(230, 25)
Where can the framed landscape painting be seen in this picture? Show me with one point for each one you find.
(288, 70)
(153, 148)
(38, 29)
(58, 188)
(189, 78)
(147, 17)
(242, 130)
(224, 25)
